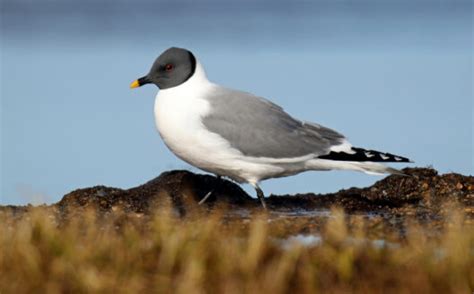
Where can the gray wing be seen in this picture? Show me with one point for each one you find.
(259, 128)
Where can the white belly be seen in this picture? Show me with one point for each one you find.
(178, 119)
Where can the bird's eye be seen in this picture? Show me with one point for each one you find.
(169, 67)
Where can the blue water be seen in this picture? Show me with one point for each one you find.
(392, 76)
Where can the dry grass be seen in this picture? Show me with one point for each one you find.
(130, 253)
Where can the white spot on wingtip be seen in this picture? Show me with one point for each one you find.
(397, 158)
(345, 147)
(384, 157)
(369, 154)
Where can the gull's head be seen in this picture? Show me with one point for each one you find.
(172, 68)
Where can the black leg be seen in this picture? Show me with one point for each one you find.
(261, 196)
(210, 192)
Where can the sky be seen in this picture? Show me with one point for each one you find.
(394, 76)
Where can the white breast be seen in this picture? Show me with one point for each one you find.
(178, 113)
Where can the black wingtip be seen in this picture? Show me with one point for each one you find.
(360, 154)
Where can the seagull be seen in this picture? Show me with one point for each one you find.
(242, 136)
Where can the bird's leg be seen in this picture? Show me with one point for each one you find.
(260, 196)
(205, 197)
(210, 192)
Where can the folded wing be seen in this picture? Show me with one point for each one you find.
(259, 128)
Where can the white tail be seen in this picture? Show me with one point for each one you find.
(372, 168)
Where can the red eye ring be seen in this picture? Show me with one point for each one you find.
(169, 67)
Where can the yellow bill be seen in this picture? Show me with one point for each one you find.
(135, 84)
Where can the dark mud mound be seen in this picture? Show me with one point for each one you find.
(422, 187)
(180, 189)
(421, 192)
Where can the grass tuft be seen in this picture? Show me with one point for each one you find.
(210, 253)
